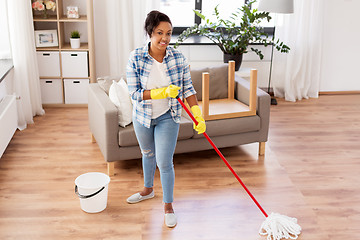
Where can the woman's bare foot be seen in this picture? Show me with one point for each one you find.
(146, 191)
(168, 208)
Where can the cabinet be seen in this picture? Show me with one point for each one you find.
(74, 64)
(51, 91)
(76, 91)
(60, 65)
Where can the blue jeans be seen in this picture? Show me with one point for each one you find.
(157, 145)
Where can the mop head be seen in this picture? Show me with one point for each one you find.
(278, 226)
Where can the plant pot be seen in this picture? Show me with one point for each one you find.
(75, 42)
(237, 58)
(44, 14)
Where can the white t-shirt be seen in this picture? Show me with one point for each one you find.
(158, 79)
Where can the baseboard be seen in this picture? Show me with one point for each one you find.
(61, 105)
(271, 93)
(338, 92)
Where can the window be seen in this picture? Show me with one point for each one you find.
(182, 15)
(226, 8)
(265, 23)
(180, 12)
(5, 52)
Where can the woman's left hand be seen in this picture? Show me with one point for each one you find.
(201, 126)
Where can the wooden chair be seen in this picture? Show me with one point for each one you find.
(228, 107)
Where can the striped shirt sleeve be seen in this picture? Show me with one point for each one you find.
(135, 90)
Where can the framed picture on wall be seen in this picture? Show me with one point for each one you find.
(72, 12)
(46, 38)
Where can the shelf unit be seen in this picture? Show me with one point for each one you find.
(59, 21)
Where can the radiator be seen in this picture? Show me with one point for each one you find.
(8, 121)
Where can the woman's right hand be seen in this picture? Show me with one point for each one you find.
(161, 93)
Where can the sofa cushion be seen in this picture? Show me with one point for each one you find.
(127, 135)
(231, 126)
(218, 84)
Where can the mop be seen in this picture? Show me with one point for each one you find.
(275, 226)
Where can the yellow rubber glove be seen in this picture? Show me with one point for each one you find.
(201, 127)
(161, 93)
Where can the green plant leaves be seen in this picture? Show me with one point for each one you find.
(234, 36)
(75, 34)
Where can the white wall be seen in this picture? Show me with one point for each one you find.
(101, 43)
(340, 58)
(341, 48)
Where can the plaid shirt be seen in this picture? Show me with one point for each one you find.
(137, 74)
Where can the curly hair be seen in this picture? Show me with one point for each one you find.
(153, 19)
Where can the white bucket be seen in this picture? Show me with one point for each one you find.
(92, 189)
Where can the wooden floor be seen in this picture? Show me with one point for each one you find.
(317, 141)
(310, 171)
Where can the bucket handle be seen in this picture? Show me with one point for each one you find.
(86, 196)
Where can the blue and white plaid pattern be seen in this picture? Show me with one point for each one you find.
(137, 74)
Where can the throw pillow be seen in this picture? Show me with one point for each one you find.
(218, 83)
(119, 95)
(105, 82)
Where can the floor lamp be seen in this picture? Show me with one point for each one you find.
(275, 6)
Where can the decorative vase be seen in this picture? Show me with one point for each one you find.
(75, 42)
(237, 58)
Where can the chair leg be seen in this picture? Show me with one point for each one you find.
(110, 168)
(261, 148)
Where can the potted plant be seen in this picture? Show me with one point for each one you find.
(235, 35)
(75, 39)
(43, 6)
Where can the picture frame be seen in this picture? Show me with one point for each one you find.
(46, 38)
(72, 12)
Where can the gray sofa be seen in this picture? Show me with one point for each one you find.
(117, 143)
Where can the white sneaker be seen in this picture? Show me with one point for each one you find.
(170, 220)
(138, 198)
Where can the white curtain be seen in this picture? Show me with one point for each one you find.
(125, 24)
(26, 74)
(296, 75)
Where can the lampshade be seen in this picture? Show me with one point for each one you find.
(276, 6)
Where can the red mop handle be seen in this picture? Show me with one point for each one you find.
(223, 158)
